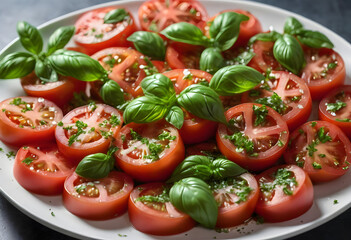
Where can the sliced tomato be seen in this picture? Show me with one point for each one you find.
(156, 15)
(286, 192)
(42, 169)
(99, 199)
(94, 35)
(25, 120)
(257, 146)
(237, 198)
(156, 217)
(292, 90)
(87, 130)
(321, 149)
(230, 101)
(183, 56)
(336, 108)
(147, 156)
(324, 70)
(208, 148)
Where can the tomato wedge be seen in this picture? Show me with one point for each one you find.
(321, 149)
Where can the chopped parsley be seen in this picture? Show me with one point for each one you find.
(322, 155)
(28, 161)
(334, 107)
(122, 235)
(155, 149)
(92, 106)
(274, 102)
(18, 102)
(322, 136)
(261, 114)
(80, 126)
(343, 120)
(280, 143)
(53, 214)
(187, 75)
(301, 131)
(336, 201)
(150, 68)
(60, 124)
(241, 142)
(238, 186)
(311, 148)
(313, 124)
(283, 177)
(113, 121)
(161, 198)
(10, 154)
(101, 35)
(254, 93)
(166, 136)
(316, 165)
(111, 62)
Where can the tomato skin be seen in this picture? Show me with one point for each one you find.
(329, 170)
(315, 63)
(159, 170)
(94, 20)
(183, 56)
(264, 159)
(285, 207)
(36, 180)
(104, 207)
(10, 130)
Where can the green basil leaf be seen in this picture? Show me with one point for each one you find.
(175, 116)
(194, 197)
(77, 65)
(225, 29)
(16, 65)
(116, 15)
(60, 38)
(203, 102)
(288, 52)
(243, 58)
(193, 166)
(186, 33)
(265, 37)
(236, 79)
(112, 94)
(211, 60)
(314, 39)
(30, 37)
(95, 166)
(160, 86)
(223, 168)
(149, 44)
(44, 72)
(291, 25)
(144, 109)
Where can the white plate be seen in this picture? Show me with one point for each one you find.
(40, 208)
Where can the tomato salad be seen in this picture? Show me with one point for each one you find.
(186, 122)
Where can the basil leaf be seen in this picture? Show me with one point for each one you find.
(203, 102)
(175, 116)
(16, 65)
(30, 37)
(243, 58)
(77, 65)
(291, 25)
(44, 72)
(288, 52)
(225, 29)
(236, 79)
(95, 166)
(60, 38)
(112, 94)
(160, 86)
(211, 60)
(314, 39)
(144, 109)
(116, 15)
(149, 44)
(265, 37)
(223, 168)
(194, 197)
(186, 33)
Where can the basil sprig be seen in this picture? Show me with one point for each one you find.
(149, 44)
(30, 37)
(211, 60)
(16, 65)
(116, 15)
(60, 38)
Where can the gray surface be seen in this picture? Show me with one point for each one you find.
(15, 225)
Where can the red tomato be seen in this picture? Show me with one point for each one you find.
(237, 198)
(321, 149)
(325, 69)
(87, 130)
(157, 218)
(230, 101)
(181, 56)
(124, 65)
(267, 141)
(145, 155)
(286, 192)
(292, 90)
(25, 120)
(205, 149)
(336, 108)
(41, 170)
(156, 15)
(94, 35)
(97, 199)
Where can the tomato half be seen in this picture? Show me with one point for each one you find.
(336, 108)
(156, 15)
(149, 152)
(324, 70)
(183, 56)
(97, 199)
(254, 147)
(25, 120)
(87, 130)
(237, 198)
(157, 218)
(208, 148)
(94, 35)
(321, 149)
(293, 92)
(41, 169)
(286, 192)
